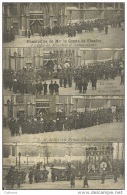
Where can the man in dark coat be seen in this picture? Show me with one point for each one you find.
(85, 84)
(56, 88)
(72, 180)
(51, 88)
(94, 81)
(85, 181)
(106, 29)
(45, 88)
(31, 177)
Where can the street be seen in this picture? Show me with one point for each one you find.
(104, 87)
(93, 184)
(114, 38)
(108, 131)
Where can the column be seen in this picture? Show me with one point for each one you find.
(79, 60)
(51, 21)
(27, 17)
(84, 7)
(10, 151)
(90, 105)
(67, 105)
(33, 108)
(8, 17)
(19, 19)
(36, 60)
(21, 62)
(65, 18)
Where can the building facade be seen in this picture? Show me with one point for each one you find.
(16, 104)
(67, 152)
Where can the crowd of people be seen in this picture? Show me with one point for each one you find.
(70, 29)
(61, 121)
(33, 81)
(70, 173)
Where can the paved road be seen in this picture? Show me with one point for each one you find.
(115, 38)
(109, 131)
(93, 184)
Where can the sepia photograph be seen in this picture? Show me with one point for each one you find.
(63, 96)
(89, 165)
(51, 118)
(63, 71)
(96, 24)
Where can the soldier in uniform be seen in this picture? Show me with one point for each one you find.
(29, 33)
(85, 84)
(85, 181)
(61, 80)
(72, 180)
(31, 176)
(106, 29)
(103, 177)
(115, 176)
(51, 88)
(56, 88)
(45, 88)
(94, 81)
(53, 175)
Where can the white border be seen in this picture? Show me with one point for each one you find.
(54, 192)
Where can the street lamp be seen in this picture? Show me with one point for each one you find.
(27, 160)
(76, 100)
(19, 154)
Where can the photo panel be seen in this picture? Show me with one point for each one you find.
(64, 165)
(63, 71)
(50, 118)
(63, 24)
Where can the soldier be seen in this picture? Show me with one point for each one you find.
(72, 180)
(61, 80)
(56, 88)
(17, 127)
(51, 88)
(31, 176)
(12, 126)
(85, 182)
(26, 32)
(53, 175)
(115, 176)
(19, 181)
(70, 81)
(65, 81)
(85, 84)
(94, 81)
(106, 29)
(45, 88)
(80, 86)
(103, 178)
(29, 33)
